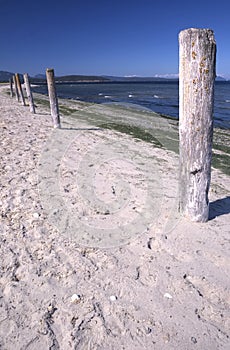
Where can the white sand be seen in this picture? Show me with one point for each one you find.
(166, 288)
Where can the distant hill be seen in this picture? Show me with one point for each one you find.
(76, 78)
(5, 76)
(219, 78)
(95, 78)
(41, 78)
(136, 78)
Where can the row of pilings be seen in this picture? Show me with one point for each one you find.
(16, 89)
(197, 60)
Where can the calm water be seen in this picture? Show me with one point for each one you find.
(160, 97)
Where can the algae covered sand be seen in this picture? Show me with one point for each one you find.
(148, 126)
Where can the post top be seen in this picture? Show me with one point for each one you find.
(194, 30)
(200, 33)
(197, 31)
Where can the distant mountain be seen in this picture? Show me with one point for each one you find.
(176, 76)
(219, 78)
(40, 76)
(111, 78)
(167, 76)
(76, 78)
(135, 78)
(5, 76)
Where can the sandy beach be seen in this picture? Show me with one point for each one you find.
(93, 252)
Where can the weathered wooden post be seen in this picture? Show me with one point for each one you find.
(16, 88)
(53, 97)
(29, 93)
(196, 95)
(11, 87)
(18, 83)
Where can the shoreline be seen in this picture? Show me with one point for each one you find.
(140, 123)
(162, 99)
(163, 287)
(145, 125)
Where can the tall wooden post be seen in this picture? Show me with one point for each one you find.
(53, 97)
(16, 88)
(18, 82)
(196, 95)
(29, 93)
(11, 87)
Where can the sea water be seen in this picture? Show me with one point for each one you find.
(160, 97)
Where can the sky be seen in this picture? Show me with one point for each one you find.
(102, 37)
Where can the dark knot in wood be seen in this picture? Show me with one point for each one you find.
(196, 171)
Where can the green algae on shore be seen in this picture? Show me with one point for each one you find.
(160, 130)
(134, 131)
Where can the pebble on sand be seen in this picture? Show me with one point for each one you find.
(75, 298)
(167, 295)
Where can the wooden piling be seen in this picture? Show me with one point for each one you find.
(16, 88)
(29, 93)
(196, 97)
(19, 85)
(11, 87)
(53, 97)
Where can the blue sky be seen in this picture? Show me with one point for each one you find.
(120, 37)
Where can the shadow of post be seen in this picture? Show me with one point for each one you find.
(219, 207)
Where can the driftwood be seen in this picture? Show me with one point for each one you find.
(196, 95)
(53, 98)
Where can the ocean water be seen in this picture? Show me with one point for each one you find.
(160, 97)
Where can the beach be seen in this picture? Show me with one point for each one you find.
(89, 262)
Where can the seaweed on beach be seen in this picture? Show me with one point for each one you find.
(66, 110)
(134, 131)
(165, 128)
(42, 101)
(221, 161)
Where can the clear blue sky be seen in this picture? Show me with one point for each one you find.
(120, 37)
